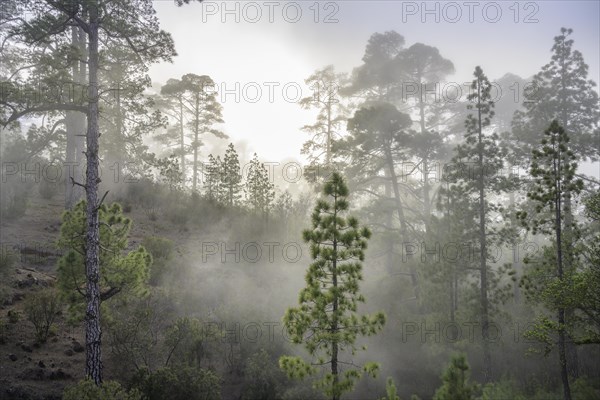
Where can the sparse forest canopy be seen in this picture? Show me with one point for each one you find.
(341, 221)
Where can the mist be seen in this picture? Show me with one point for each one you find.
(295, 200)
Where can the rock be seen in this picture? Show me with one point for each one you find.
(59, 375)
(32, 374)
(12, 357)
(69, 352)
(77, 347)
(41, 364)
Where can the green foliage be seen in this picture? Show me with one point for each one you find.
(264, 379)
(8, 259)
(41, 309)
(161, 249)
(120, 272)
(181, 383)
(231, 177)
(109, 390)
(212, 179)
(390, 390)
(13, 316)
(260, 192)
(504, 389)
(190, 341)
(136, 331)
(563, 90)
(326, 322)
(3, 328)
(456, 385)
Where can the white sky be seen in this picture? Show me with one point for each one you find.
(210, 41)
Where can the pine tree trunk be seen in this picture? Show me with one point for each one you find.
(93, 332)
(334, 325)
(75, 126)
(400, 211)
(559, 258)
(487, 359)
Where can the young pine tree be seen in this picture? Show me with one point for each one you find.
(231, 177)
(456, 384)
(260, 192)
(212, 178)
(121, 272)
(326, 322)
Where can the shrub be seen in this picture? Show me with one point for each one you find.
(48, 189)
(8, 258)
(263, 376)
(13, 316)
(2, 331)
(109, 390)
(180, 383)
(13, 203)
(456, 385)
(504, 389)
(41, 309)
(390, 389)
(161, 250)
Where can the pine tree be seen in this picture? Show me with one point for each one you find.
(260, 192)
(104, 24)
(326, 322)
(212, 178)
(325, 84)
(553, 170)
(231, 177)
(477, 168)
(121, 272)
(561, 91)
(456, 384)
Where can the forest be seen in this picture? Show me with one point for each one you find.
(401, 227)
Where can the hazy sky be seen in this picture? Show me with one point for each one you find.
(289, 40)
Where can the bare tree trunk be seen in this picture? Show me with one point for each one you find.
(75, 124)
(93, 332)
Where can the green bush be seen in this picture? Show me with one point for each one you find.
(583, 389)
(504, 389)
(263, 376)
(161, 250)
(179, 383)
(456, 384)
(8, 259)
(13, 316)
(41, 309)
(2, 331)
(109, 390)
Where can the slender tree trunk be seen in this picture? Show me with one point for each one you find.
(487, 359)
(93, 332)
(559, 260)
(425, 164)
(334, 325)
(182, 141)
(400, 211)
(75, 126)
(196, 143)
